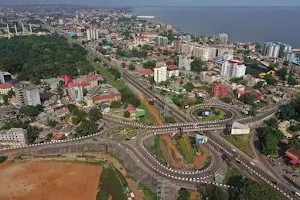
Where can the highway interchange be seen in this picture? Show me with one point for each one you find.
(188, 123)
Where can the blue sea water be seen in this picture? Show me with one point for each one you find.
(259, 24)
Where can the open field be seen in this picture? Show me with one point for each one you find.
(49, 180)
(241, 142)
(220, 115)
(123, 133)
(185, 146)
(151, 117)
(202, 157)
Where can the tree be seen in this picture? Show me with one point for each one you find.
(259, 85)
(197, 65)
(226, 99)
(52, 123)
(32, 133)
(115, 104)
(272, 66)
(183, 194)
(248, 98)
(95, 114)
(10, 93)
(49, 136)
(150, 64)
(72, 109)
(285, 63)
(87, 127)
(189, 86)
(5, 100)
(271, 123)
(292, 81)
(282, 72)
(253, 111)
(75, 120)
(169, 119)
(270, 79)
(31, 111)
(258, 191)
(60, 89)
(269, 141)
(294, 143)
(126, 114)
(295, 128)
(131, 67)
(213, 192)
(286, 112)
(129, 97)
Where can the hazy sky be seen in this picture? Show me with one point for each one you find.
(162, 2)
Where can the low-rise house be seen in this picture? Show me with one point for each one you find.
(293, 156)
(283, 127)
(173, 71)
(14, 136)
(107, 98)
(145, 72)
(5, 88)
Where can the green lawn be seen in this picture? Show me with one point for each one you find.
(233, 177)
(186, 149)
(111, 184)
(155, 148)
(148, 119)
(147, 192)
(241, 142)
(123, 133)
(221, 115)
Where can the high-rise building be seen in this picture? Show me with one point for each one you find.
(184, 62)
(221, 51)
(178, 46)
(233, 69)
(187, 49)
(92, 34)
(221, 38)
(220, 90)
(160, 72)
(27, 95)
(161, 41)
(5, 77)
(284, 50)
(212, 53)
(271, 49)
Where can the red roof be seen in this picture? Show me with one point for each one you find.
(66, 78)
(131, 109)
(57, 136)
(107, 97)
(145, 72)
(199, 91)
(5, 85)
(172, 67)
(72, 84)
(85, 84)
(91, 78)
(235, 62)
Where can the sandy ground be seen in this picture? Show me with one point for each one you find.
(195, 195)
(152, 110)
(201, 159)
(38, 180)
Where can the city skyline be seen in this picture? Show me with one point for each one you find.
(159, 2)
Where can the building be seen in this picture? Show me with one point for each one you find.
(161, 41)
(221, 38)
(293, 156)
(27, 95)
(74, 91)
(239, 129)
(271, 49)
(212, 53)
(233, 69)
(225, 51)
(187, 49)
(145, 72)
(242, 91)
(5, 77)
(202, 52)
(14, 136)
(52, 83)
(60, 22)
(160, 72)
(107, 98)
(92, 34)
(284, 50)
(177, 45)
(5, 88)
(220, 90)
(184, 62)
(173, 71)
(209, 77)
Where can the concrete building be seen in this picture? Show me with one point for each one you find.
(13, 136)
(239, 129)
(222, 51)
(221, 38)
(27, 95)
(233, 69)
(61, 22)
(5, 77)
(173, 71)
(160, 72)
(187, 49)
(92, 34)
(52, 83)
(75, 91)
(212, 53)
(202, 52)
(220, 90)
(271, 49)
(284, 50)
(177, 45)
(5, 88)
(161, 41)
(184, 62)
(209, 77)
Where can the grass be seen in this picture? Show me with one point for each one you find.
(147, 192)
(212, 117)
(186, 149)
(123, 133)
(148, 119)
(3, 158)
(156, 147)
(241, 142)
(111, 184)
(233, 177)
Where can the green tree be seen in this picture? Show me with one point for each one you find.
(169, 119)
(286, 112)
(282, 72)
(115, 104)
(95, 114)
(87, 127)
(75, 120)
(126, 114)
(226, 99)
(11, 93)
(32, 133)
(5, 100)
(189, 86)
(129, 97)
(294, 143)
(197, 65)
(60, 89)
(248, 98)
(258, 191)
(31, 111)
(259, 85)
(271, 123)
(213, 192)
(269, 141)
(292, 81)
(286, 63)
(270, 79)
(253, 111)
(150, 64)
(131, 67)
(52, 123)
(183, 194)
(295, 128)
(272, 66)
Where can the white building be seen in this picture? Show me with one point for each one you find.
(161, 41)
(5, 77)
(202, 52)
(61, 22)
(92, 34)
(239, 129)
(184, 62)
(222, 38)
(271, 49)
(160, 72)
(173, 71)
(16, 136)
(187, 49)
(233, 69)
(27, 95)
(209, 77)
(221, 51)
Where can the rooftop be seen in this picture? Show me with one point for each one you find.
(5, 85)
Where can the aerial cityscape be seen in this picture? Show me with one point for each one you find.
(107, 104)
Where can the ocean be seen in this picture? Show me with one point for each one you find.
(242, 24)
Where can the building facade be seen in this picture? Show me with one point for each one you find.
(220, 90)
(160, 72)
(27, 95)
(271, 49)
(5, 77)
(75, 91)
(221, 38)
(161, 41)
(15, 136)
(92, 34)
(5, 88)
(233, 69)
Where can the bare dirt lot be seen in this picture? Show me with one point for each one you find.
(38, 180)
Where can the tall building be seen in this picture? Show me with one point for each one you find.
(220, 90)
(221, 51)
(221, 38)
(233, 69)
(5, 77)
(178, 46)
(161, 41)
(160, 72)
(187, 49)
(75, 91)
(201, 52)
(212, 53)
(284, 50)
(27, 95)
(271, 49)
(92, 34)
(184, 62)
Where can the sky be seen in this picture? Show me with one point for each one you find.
(161, 2)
